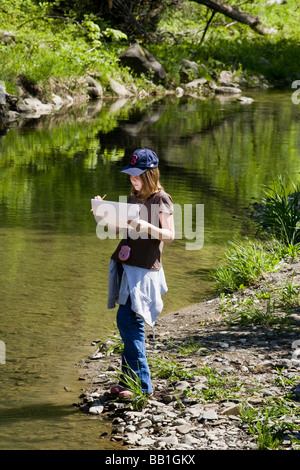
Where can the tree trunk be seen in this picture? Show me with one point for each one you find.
(237, 15)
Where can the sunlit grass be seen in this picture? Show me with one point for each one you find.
(280, 211)
(68, 47)
(245, 262)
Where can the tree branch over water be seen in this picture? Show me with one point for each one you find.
(46, 17)
(241, 16)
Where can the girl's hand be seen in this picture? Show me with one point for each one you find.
(140, 226)
(97, 197)
(165, 233)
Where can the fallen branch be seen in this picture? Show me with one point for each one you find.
(62, 18)
(237, 15)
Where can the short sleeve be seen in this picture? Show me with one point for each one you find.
(166, 204)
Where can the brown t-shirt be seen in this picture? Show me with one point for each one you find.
(145, 250)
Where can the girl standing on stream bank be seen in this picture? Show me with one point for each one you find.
(136, 276)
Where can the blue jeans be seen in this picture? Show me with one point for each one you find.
(132, 332)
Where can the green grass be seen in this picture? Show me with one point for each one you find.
(69, 47)
(132, 382)
(245, 262)
(247, 313)
(270, 424)
(266, 308)
(236, 47)
(288, 294)
(278, 225)
(168, 368)
(280, 211)
(43, 48)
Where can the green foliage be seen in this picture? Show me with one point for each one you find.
(168, 368)
(132, 382)
(95, 34)
(45, 46)
(247, 312)
(288, 251)
(190, 347)
(283, 381)
(268, 308)
(234, 46)
(246, 262)
(67, 39)
(288, 294)
(270, 424)
(114, 34)
(280, 211)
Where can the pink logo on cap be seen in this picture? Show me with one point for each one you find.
(133, 159)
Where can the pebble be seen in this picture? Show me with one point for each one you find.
(231, 410)
(96, 409)
(145, 423)
(181, 386)
(131, 438)
(210, 414)
(170, 440)
(224, 345)
(184, 428)
(130, 428)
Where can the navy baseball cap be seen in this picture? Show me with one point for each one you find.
(141, 160)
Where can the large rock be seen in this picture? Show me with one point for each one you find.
(141, 61)
(34, 107)
(7, 37)
(57, 102)
(94, 89)
(188, 70)
(226, 78)
(196, 84)
(2, 93)
(8, 103)
(227, 90)
(119, 89)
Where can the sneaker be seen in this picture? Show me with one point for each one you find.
(126, 394)
(117, 389)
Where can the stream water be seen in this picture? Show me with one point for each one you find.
(53, 276)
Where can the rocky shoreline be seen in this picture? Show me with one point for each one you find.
(34, 100)
(217, 390)
(26, 106)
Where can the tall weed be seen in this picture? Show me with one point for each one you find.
(246, 262)
(280, 211)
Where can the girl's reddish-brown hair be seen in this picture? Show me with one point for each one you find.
(151, 184)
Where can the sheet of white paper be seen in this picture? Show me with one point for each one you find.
(114, 213)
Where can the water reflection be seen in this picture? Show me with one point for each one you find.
(53, 278)
(50, 426)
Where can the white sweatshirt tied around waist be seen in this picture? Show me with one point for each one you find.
(145, 288)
